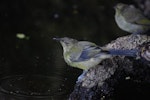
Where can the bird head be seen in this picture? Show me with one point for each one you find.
(120, 7)
(66, 42)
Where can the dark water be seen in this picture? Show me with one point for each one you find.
(34, 86)
(31, 63)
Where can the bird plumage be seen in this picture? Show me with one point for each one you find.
(85, 54)
(131, 19)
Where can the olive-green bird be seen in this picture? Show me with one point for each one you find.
(85, 54)
(131, 19)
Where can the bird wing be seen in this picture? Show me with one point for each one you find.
(134, 15)
(89, 51)
(75, 53)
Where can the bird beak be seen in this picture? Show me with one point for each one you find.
(57, 39)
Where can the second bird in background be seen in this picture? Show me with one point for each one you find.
(131, 19)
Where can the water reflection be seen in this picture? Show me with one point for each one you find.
(22, 87)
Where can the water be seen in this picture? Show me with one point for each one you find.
(33, 87)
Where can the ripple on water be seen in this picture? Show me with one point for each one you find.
(33, 86)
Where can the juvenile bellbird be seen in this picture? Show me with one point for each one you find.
(131, 19)
(85, 54)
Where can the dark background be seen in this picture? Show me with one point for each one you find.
(40, 21)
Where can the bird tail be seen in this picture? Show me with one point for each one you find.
(131, 53)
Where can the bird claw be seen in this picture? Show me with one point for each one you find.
(81, 77)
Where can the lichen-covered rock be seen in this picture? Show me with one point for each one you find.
(100, 82)
(128, 42)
